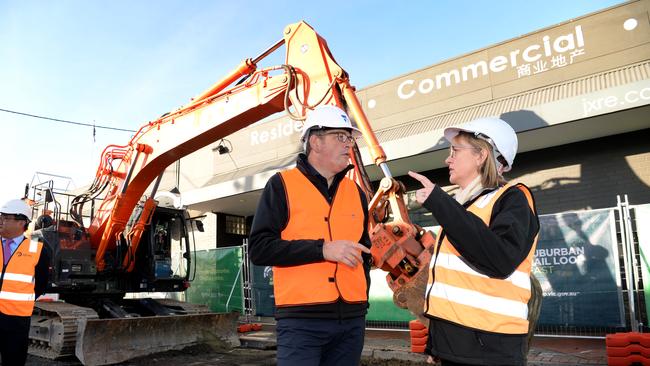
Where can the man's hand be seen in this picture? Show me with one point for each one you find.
(344, 251)
(422, 194)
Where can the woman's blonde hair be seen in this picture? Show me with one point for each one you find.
(490, 177)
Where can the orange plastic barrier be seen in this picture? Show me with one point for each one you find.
(420, 349)
(624, 349)
(627, 361)
(632, 349)
(419, 333)
(416, 325)
(244, 328)
(419, 336)
(624, 339)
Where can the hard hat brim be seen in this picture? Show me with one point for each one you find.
(451, 132)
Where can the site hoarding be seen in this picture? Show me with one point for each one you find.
(262, 286)
(576, 263)
(218, 280)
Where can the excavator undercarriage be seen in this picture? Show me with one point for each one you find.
(61, 329)
(94, 321)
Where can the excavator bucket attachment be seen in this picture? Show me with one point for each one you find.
(410, 296)
(109, 341)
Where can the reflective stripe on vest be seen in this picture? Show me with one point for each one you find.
(464, 296)
(17, 292)
(312, 217)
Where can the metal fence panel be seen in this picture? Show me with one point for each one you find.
(642, 231)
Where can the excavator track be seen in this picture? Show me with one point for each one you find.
(60, 330)
(53, 332)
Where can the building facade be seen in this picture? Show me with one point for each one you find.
(576, 93)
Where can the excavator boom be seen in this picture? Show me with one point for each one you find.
(126, 246)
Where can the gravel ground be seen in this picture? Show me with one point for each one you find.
(201, 355)
(381, 348)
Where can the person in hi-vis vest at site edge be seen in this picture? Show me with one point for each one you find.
(25, 265)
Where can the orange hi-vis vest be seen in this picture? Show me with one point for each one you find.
(312, 217)
(17, 278)
(458, 293)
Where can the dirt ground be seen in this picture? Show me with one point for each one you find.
(205, 355)
(387, 348)
(201, 355)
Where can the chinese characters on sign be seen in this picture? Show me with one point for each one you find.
(542, 65)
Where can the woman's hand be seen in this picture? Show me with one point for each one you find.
(422, 194)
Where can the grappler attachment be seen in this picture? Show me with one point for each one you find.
(400, 247)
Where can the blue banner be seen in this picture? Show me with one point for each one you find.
(576, 263)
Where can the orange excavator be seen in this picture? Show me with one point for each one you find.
(125, 247)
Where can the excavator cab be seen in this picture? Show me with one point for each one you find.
(159, 272)
(95, 304)
(73, 266)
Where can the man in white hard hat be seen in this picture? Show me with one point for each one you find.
(25, 265)
(480, 277)
(311, 225)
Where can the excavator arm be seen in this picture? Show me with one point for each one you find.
(309, 77)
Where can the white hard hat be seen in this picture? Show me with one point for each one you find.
(493, 130)
(17, 207)
(328, 116)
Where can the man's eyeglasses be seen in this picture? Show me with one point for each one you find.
(4, 217)
(341, 136)
(454, 149)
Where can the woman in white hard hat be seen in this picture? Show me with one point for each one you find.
(479, 286)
